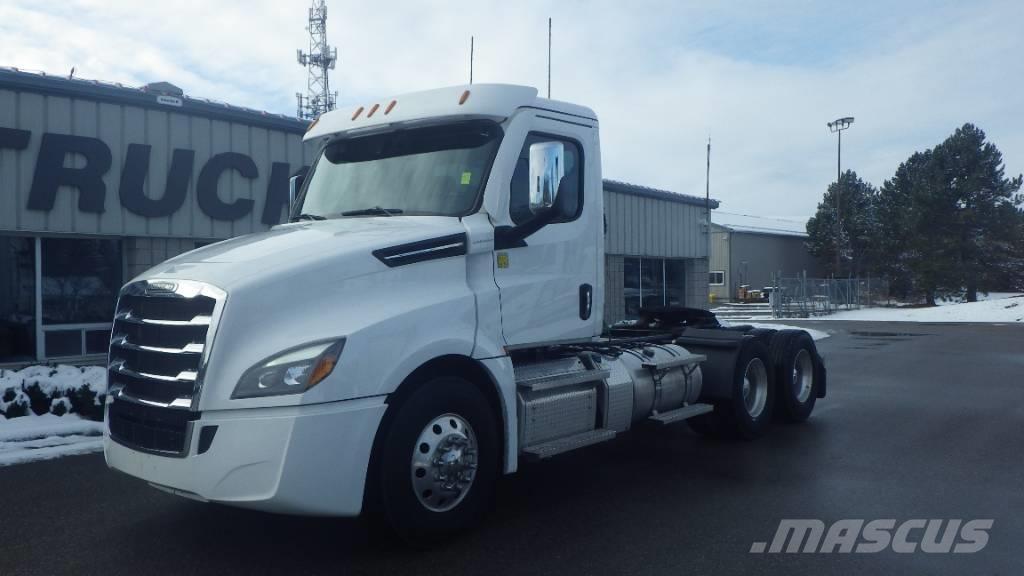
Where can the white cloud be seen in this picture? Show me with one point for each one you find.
(761, 79)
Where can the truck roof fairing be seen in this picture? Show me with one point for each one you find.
(498, 101)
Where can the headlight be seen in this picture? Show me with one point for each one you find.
(291, 372)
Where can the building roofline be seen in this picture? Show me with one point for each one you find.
(38, 82)
(738, 229)
(648, 192)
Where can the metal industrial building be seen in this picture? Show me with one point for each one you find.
(655, 250)
(100, 181)
(749, 250)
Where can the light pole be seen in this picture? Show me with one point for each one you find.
(837, 127)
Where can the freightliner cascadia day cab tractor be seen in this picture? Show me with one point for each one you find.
(429, 318)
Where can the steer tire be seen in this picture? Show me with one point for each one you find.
(731, 419)
(797, 374)
(425, 414)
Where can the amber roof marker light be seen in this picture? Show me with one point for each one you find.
(464, 97)
(313, 123)
(373, 110)
(390, 106)
(357, 113)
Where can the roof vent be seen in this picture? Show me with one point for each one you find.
(163, 89)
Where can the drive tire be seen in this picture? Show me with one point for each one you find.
(797, 374)
(744, 417)
(396, 501)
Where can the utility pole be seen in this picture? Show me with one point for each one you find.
(836, 127)
(470, 59)
(707, 203)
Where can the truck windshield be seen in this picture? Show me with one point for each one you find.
(433, 170)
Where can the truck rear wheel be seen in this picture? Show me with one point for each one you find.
(438, 462)
(795, 361)
(748, 414)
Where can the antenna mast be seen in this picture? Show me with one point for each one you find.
(549, 58)
(707, 201)
(320, 58)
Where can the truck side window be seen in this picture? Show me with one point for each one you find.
(570, 199)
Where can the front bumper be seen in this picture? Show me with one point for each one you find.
(309, 460)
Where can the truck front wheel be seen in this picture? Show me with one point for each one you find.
(439, 461)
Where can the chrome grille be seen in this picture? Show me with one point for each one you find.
(158, 347)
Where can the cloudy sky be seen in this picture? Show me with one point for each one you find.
(761, 78)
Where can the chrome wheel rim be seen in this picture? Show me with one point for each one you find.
(755, 387)
(444, 462)
(803, 376)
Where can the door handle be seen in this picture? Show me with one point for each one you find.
(586, 300)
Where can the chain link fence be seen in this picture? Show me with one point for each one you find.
(803, 297)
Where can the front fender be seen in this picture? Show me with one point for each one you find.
(393, 321)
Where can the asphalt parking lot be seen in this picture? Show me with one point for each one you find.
(921, 421)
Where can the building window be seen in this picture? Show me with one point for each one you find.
(81, 279)
(17, 299)
(675, 282)
(716, 278)
(79, 284)
(652, 282)
(631, 287)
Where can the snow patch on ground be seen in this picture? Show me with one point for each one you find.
(1009, 309)
(31, 438)
(815, 334)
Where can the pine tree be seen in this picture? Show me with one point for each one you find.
(858, 224)
(986, 224)
(898, 222)
(950, 221)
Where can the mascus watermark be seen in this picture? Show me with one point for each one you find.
(866, 537)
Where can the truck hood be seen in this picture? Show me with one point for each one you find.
(342, 247)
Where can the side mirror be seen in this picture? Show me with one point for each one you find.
(294, 185)
(547, 168)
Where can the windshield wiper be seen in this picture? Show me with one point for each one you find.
(375, 211)
(308, 217)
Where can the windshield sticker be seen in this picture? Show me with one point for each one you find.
(466, 176)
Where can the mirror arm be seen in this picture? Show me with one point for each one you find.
(515, 236)
(295, 184)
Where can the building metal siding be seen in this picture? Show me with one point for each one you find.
(719, 261)
(655, 227)
(118, 125)
(765, 255)
(653, 224)
(752, 258)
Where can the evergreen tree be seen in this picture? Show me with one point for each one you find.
(895, 241)
(950, 221)
(858, 224)
(985, 223)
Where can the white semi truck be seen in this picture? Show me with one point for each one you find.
(430, 317)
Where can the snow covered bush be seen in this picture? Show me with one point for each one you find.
(60, 407)
(55, 390)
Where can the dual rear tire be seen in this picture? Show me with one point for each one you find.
(797, 373)
(776, 376)
(749, 412)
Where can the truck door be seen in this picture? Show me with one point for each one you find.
(548, 282)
